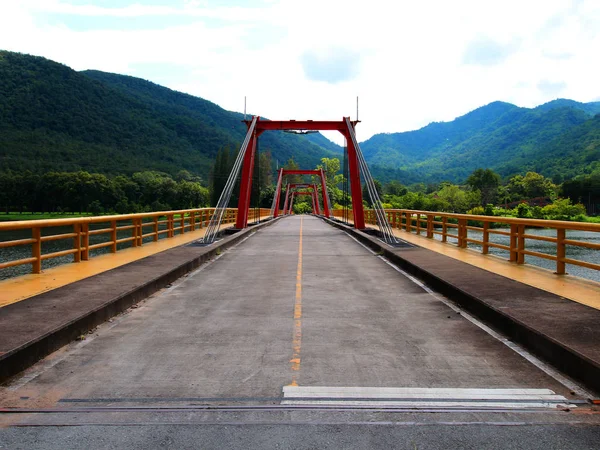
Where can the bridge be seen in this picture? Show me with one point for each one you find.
(303, 331)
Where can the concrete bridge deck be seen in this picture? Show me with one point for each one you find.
(253, 347)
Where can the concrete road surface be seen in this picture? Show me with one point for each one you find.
(300, 305)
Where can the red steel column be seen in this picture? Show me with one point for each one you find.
(246, 185)
(316, 200)
(287, 199)
(278, 193)
(292, 197)
(354, 175)
(324, 188)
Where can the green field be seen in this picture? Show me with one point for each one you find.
(12, 216)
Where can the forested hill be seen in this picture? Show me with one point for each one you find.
(559, 139)
(54, 118)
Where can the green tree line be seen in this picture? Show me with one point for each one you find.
(97, 193)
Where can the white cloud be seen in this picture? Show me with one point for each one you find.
(407, 59)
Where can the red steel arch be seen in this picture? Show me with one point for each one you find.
(261, 126)
(318, 172)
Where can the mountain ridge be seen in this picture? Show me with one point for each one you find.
(53, 118)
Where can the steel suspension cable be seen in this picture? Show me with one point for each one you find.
(382, 221)
(221, 207)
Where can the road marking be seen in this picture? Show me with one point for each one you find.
(544, 367)
(297, 339)
(388, 397)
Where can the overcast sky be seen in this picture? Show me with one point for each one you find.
(410, 62)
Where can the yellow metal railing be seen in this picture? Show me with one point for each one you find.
(152, 225)
(457, 226)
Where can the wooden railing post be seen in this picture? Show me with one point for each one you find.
(444, 229)
(521, 245)
(486, 238)
(140, 230)
(408, 221)
(462, 233)
(182, 223)
(561, 251)
(36, 249)
(514, 229)
(77, 242)
(170, 232)
(85, 246)
(430, 226)
(193, 221)
(419, 224)
(113, 236)
(155, 229)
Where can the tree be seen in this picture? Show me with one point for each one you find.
(487, 182)
(292, 165)
(458, 200)
(331, 167)
(378, 188)
(530, 186)
(394, 187)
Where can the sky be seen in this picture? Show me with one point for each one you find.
(409, 62)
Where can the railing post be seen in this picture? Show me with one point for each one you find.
(134, 240)
(113, 236)
(394, 217)
(36, 249)
(140, 232)
(513, 242)
(170, 232)
(486, 238)
(430, 226)
(193, 221)
(444, 229)
(408, 221)
(419, 224)
(77, 243)
(521, 245)
(155, 229)
(561, 251)
(461, 233)
(85, 246)
(182, 223)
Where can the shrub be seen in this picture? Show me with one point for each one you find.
(562, 209)
(523, 210)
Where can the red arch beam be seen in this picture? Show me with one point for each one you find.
(344, 127)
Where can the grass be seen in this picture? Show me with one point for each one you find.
(12, 216)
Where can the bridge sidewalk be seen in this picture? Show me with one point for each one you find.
(564, 332)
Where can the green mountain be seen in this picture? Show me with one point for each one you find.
(548, 139)
(54, 118)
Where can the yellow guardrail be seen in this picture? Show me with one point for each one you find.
(457, 226)
(143, 225)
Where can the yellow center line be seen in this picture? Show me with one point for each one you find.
(297, 338)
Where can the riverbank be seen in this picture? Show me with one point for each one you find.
(14, 216)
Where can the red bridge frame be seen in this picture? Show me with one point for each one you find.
(300, 125)
(289, 195)
(294, 194)
(317, 172)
